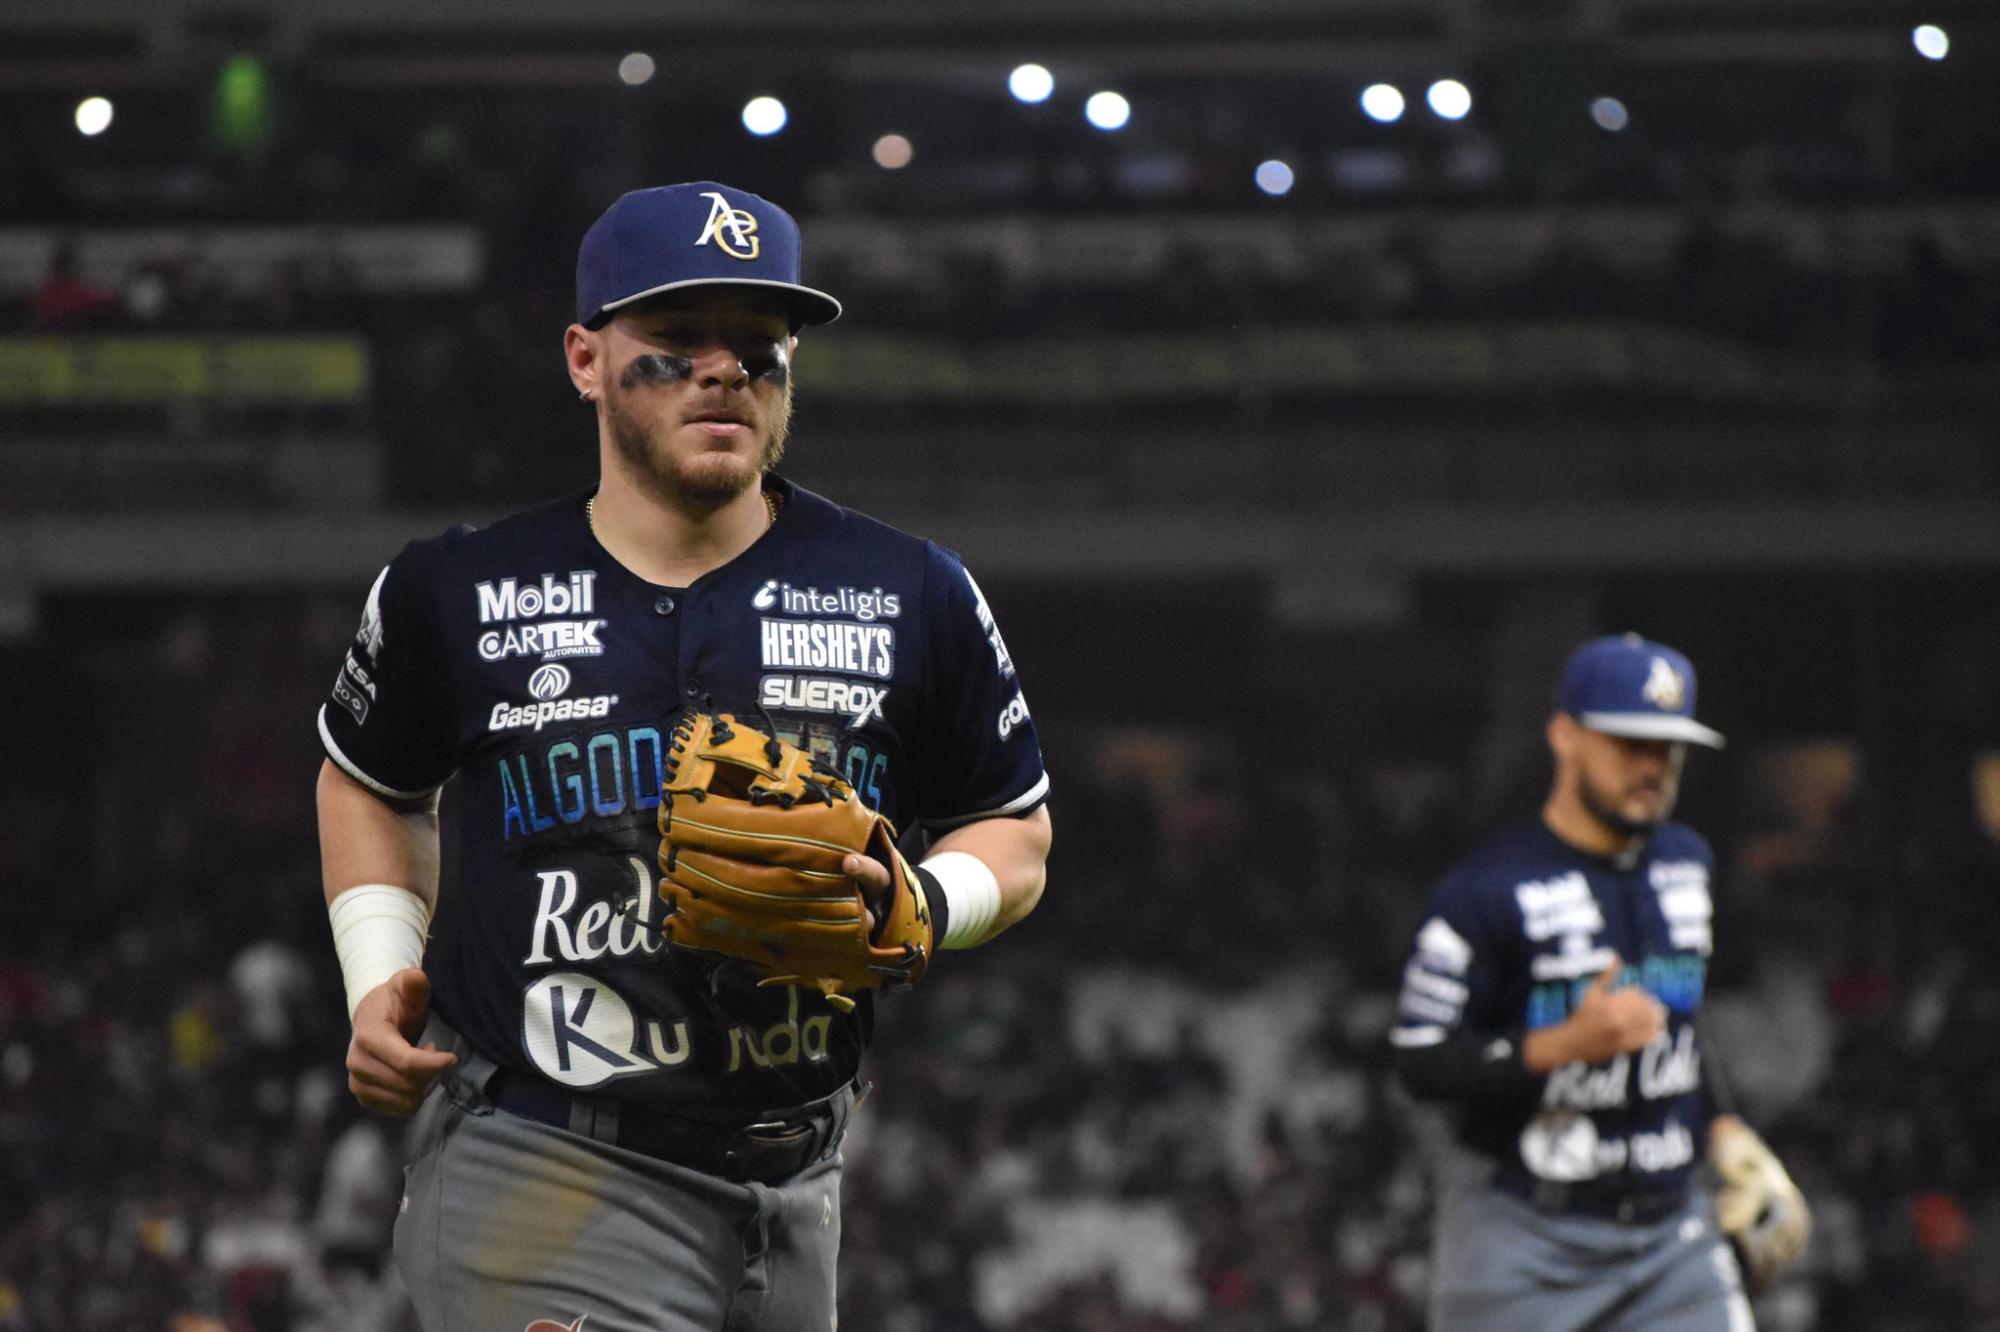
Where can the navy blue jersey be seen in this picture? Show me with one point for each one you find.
(1510, 941)
(528, 662)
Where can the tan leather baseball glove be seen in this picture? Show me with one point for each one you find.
(753, 835)
(1757, 1206)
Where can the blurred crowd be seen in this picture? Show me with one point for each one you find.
(1162, 1103)
(1911, 289)
(465, 399)
(1840, 262)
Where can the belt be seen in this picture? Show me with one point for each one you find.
(1627, 1207)
(772, 1148)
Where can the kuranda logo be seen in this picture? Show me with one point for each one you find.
(549, 682)
(734, 230)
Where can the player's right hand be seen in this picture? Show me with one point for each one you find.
(1612, 1021)
(386, 1070)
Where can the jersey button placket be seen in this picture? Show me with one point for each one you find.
(663, 606)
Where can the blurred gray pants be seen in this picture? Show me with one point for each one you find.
(1502, 1266)
(510, 1225)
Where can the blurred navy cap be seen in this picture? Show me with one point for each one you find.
(698, 234)
(1627, 685)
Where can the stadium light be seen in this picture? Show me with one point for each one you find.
(1382, 102)
(1610, 114)
(240, 110)
(636, 69)
(1107, 110)
(1274, 177)
(892, 152)
(1449, 99)
(93, 116)
(1031, 83)
(1931, 41)
(764, 116)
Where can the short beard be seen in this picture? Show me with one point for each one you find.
(1602, 811)
(660, 474)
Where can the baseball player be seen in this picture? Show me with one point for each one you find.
(616, 1132)
(1551, 1001)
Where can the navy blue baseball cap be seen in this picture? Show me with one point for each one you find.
(700, 234)
(1627, 685)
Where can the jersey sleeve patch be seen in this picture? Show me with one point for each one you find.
(981, 755)
(386, 721)
(1448, 979)
(1435, 989)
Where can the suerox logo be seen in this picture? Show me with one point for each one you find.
(850, 698)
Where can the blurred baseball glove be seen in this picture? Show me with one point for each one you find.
(1758, 1207)
(753, 834)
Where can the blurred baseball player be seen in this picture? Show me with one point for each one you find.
(1550, 999)
(615, 1132)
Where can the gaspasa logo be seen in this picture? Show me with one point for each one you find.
(534, 716)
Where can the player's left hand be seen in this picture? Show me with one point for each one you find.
(871, 877)
(774, 860)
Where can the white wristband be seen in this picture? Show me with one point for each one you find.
(972, 897)
(378, 930)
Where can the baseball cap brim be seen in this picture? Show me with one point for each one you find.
(806, 305)
(1651, 726)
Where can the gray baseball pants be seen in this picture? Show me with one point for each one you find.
(1502, 1266)
(511, 1225)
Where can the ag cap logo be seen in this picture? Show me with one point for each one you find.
(551, 1325)
(549, 682)
(1664, 688)
(734, 230)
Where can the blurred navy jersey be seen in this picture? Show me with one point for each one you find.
(1510, 940)
(527, 661)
